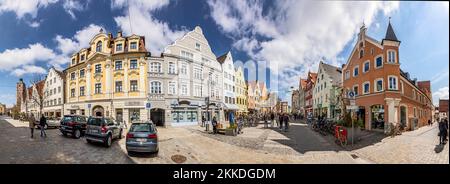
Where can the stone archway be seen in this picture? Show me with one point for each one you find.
(98, 111)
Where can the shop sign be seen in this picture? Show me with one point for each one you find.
(74, 107)
(134, 103)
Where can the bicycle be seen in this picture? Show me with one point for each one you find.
(395, 130)
(341, 136)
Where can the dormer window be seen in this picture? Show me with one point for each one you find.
(82, 57)
(99, 46)
(197, 46)
(119, 47)
(361, 53)
(73, 61)
(133, 46)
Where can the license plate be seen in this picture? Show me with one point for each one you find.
(141, 140)
(94, 131)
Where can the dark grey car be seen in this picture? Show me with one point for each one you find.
(103, 130)
(142, 137)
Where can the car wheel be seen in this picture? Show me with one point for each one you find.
(88, 141)
(108, 141)
(77, 134)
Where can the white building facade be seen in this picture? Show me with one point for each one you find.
(229, 87)
(54, 94)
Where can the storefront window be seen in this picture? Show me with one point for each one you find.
(377, 116)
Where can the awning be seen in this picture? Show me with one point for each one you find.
(231, 107)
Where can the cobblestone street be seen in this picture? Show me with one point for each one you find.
(256, 145)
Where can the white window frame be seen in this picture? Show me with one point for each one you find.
(353, 89)
(198, 46)
(183, 88)
(364, 89)
(183, 69)
(121, 46)
(389, 56)
(137, 46)
(353, 71)
(375, 61)
(156, 67)
(364, 66)
(156, 89)
(170, 68)
(375, 85)
(389, 82)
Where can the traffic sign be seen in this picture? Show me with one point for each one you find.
(148, 105)
(351, 94)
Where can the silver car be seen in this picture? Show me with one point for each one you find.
(142, 137)
(103, 130)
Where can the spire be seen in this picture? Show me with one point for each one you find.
(390, 34)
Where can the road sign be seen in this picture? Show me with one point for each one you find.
(148, 105)
(351, 94)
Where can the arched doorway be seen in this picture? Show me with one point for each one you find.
(157, 116)
(98, 111)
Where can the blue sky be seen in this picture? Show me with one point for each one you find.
(38, 34)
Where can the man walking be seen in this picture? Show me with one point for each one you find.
(42, 123)
(442, 132)
(31, 121)
(286, 122)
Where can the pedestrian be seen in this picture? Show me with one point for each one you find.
(42, 123)
(286, 122)
(280, 121)
(214, 124)
(429, 122)
(442, 132)
(203, 121)
(272, 119)
(445, 130)
(31, 121)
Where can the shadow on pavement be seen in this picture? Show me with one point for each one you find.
(142, 155)
(439, 148)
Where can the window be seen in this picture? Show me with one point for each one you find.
(355, 90)
(59, 89)
(73, 61)
(54, 80)
(72, 76)
(172, 88)
(401, 85)
(361, 53)
(82, 57)
(134, 86)
(99, 46)
(98, 68)
(197, 46)
(133, 46)
(392, 83)
(81, 73)
(187, 55)
(356, 71)
(51, 92)
(197, 90)
(98, 88)
(118, 65)
(133, 64)
(413, 94)
(119, 47)
(155, 67)
(378, 85)
(183, 68)
(347, 75)
(155, 87)
(118, 88)
(184, 89)
(414, 112)
(171, 68)
(82, 91)
(391, 56)
(371, 51)
(197, 73)
(72, 92)
(50, 82)
(379, 62)
(324, 85)
(366, 87)
(59, 101)
(366, 67)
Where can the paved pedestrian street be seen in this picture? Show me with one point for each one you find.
(255, 145)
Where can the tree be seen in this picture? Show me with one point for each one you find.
(38, 96)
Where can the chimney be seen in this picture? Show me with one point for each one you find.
(119, 34)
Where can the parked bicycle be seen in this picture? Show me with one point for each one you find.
(395, 129)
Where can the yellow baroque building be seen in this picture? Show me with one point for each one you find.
(109, 78)
(241, 91)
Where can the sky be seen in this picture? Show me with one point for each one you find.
(288, 36)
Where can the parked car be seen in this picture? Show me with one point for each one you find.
(142, 137)
(103, 130)
(53, 122)
(74, 125)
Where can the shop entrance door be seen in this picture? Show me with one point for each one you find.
(403, 116)
(157, 116)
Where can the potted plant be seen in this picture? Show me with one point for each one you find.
(231, 130)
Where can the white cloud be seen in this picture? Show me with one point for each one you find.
(442, 93)
(70, 6)
(158, 33)
(22, 8)
(295, 34)
(14, 58)
(27, 69)
(34, 24)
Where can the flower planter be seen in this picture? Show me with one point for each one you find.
(353, 134)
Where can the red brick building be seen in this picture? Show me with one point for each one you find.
(310, 82)
(384, 93)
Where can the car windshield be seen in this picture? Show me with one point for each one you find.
(95, 121)
(141, 127)
(68, 118)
